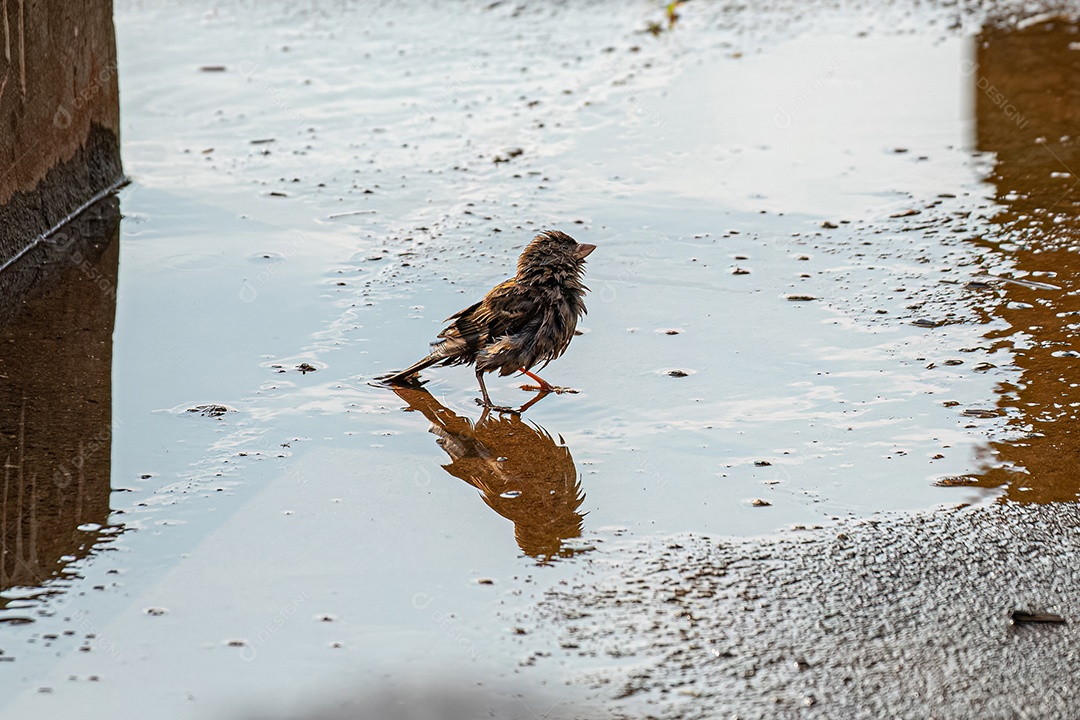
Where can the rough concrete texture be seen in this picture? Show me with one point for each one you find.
(900, 617)
(59, 114)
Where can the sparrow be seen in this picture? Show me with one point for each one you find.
(526, 321)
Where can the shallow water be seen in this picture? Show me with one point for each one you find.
(788, 211)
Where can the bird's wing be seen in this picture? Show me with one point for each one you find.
(499, 313)
(461, 315)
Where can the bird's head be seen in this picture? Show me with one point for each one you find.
(552, 255)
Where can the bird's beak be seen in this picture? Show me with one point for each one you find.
(583, 250)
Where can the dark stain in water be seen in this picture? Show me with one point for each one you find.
(519, 469)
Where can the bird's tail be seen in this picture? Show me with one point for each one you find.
(404, 375)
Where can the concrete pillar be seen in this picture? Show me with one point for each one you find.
(59, 114)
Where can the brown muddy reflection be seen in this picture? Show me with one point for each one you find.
(1027, 89)
(57, 306)
(519, 469)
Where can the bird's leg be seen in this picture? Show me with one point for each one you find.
(483, 389)
(543, 385)
(487, 400)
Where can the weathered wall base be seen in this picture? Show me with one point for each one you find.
(59, 114)
(65, 190)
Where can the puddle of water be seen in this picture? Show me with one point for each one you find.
(812, 140)
(798, 210)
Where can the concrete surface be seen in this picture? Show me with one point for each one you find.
(908, 616)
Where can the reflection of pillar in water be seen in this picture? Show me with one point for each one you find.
(1027, 106)
(521, 472)
(1026, 84)
(56, 323)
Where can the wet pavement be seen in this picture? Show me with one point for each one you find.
(831, 284)
(953, 614)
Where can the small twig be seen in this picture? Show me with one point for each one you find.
(1025, 283)
(351, 212)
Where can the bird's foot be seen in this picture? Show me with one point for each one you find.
(550, 389)
(497, 408)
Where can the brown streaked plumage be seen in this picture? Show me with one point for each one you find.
(524, 322)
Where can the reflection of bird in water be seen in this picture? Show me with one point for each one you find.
(522, 473)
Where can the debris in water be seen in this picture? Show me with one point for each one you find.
(955, 481)
(509, 154)
(1013, 281)
(351, 212)
(211, 410)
